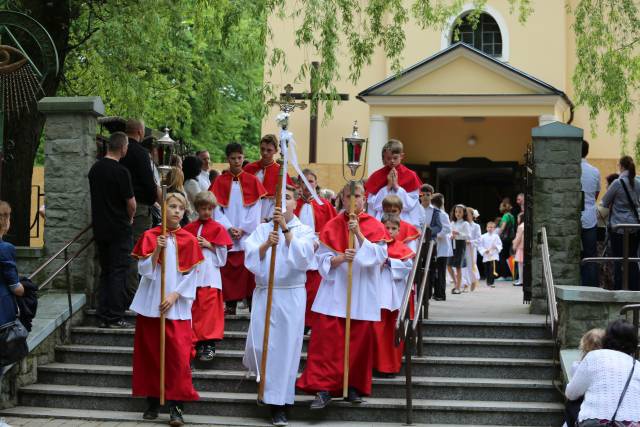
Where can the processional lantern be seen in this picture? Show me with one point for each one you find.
(166, 147)
(355, 147)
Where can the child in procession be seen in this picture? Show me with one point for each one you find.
(471, 275)
(460, 232)
(407, 233)
(489, 246)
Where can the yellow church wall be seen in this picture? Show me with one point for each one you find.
(461, 110)
(429, 139)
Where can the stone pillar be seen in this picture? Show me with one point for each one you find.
(556, 205)
(378, 136)
(70, 151)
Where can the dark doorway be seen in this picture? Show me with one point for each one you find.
(476, 182)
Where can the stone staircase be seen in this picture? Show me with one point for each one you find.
(471, 373)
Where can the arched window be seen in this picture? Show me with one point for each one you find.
(484, 35)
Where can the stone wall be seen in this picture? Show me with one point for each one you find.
(557, 202)
(70, 150)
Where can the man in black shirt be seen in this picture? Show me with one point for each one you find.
(112, 208)
(138, 162)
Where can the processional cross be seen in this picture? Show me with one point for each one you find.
(315, 96)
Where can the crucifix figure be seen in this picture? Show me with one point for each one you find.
(314, 96)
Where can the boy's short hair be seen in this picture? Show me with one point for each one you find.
(205, 198)
(437, 200)
(179, 197)
(394, 146)
(392, 218)
(270, 139)
(233, 147)
(294, 190)
(426, 188)
(491, 223)
(346, 189)
(392, 201)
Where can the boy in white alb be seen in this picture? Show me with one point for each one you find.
(489, 246)
(295, 245)
(181, 256)
(395, 178)
(208, 307)
(323, 374)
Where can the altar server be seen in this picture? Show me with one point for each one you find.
(295, 244)
(395, 272)
(182, 255)
(314, 215)
(324, 370)
(407, 233)
(239, 194)
(208, 307)
(489, 246)
(395, 178)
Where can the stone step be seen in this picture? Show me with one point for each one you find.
(373, 409)
(429, 366)
(485, 329)
(135, 417)
(238, 322)
(488, 347)
(237, 382)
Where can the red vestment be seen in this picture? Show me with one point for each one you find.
(407, 179)
(237, 282)
(251, 187)
(212, 231)
(407, 232)
(335, 235)
(270, 172)
(187, 248)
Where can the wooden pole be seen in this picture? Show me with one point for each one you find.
(267, 314)
(347, 332)
(162, 296)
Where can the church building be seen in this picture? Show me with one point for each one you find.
(464, 109)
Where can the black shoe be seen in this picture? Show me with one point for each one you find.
(307, 329)
(278, 416)
(120, 324)
(151, 413)
(353, 396)
(175, 416)
(439, 299)
(322, 400)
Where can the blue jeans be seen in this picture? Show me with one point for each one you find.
(589, 272)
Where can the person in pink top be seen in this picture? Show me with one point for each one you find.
(518, 247)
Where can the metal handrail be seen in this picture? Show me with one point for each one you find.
(626, 229)
(548, 279)
(635, 312)
(54, 256)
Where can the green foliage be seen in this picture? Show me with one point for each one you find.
(607, 75)
(195, 66)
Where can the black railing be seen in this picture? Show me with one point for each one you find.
(634, 310)
(407, 329)
(35, 224)
(67, 260)
(547, 276)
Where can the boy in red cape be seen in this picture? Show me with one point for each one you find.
(315, 216)
(208, 308)
(395, 178)
(181, 256)
(387, 357)
(407, 233)
(267, 170)
(324, 370)
(238, 193)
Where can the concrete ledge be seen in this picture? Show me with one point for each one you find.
(53, 311)
(557, 130)
(567, 357)
(592, 294)
(71, 104)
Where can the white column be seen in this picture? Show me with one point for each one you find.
(378, 136)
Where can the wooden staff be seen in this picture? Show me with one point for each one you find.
(272, 273)
(347, 331)
(162, 286)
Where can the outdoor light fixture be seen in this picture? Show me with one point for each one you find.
(472, 141)
(165, 150)
(355, 146)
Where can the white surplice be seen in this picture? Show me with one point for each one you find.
(267, 205)
(147, 298)
(412, 211)
(287, 308)
(394, 283)
(246, 218)
(490, 242)
(331, 299)
(209, 276)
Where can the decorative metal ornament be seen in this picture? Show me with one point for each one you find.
(287, 102)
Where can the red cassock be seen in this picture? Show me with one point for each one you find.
(237, 282)
(270, 172)
(325, 357)
(321, 215)
(407, 179)
(146, 347)
(407, 232)
(207, 312)
(387, 357)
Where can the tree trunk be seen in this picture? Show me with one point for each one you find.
(25, 131)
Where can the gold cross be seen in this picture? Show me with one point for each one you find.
(287, 102)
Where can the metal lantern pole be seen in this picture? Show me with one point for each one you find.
(355, 146)
(166, 143)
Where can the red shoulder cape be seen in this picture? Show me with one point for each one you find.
(398, 250)
(213, 231)
(322, 214)
(407, 179)
(335, 234)
(270, 176)
(187, 248)
(252, 189)
(407, 232)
